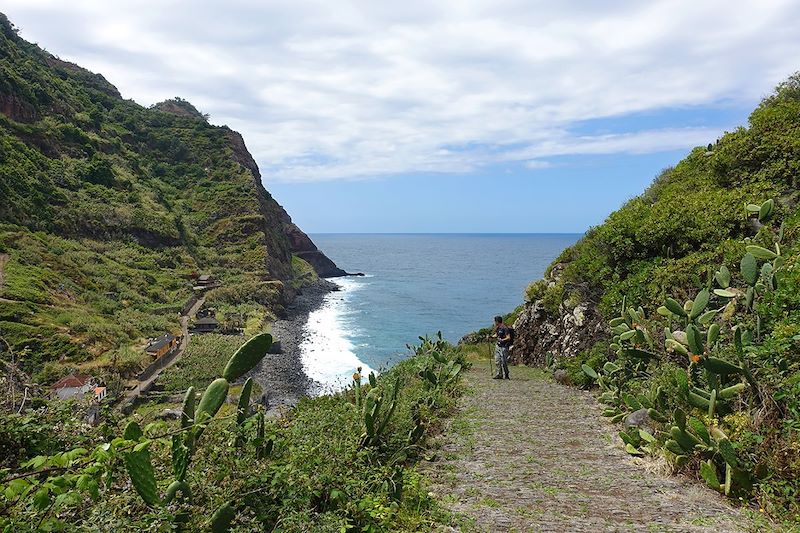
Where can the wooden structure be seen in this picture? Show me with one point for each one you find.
(205, 282)
(206, 324)
(164, 344)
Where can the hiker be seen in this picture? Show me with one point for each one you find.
(505, 338)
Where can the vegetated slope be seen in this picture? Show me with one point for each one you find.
(109, 207)
(342, 462)
(669, 242)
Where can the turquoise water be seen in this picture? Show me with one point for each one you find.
(417, 284)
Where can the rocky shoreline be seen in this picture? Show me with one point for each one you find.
(281, 376)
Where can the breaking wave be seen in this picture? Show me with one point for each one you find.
(327, 350)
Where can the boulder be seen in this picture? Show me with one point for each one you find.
(640, 419)
(567, 332)
(170, 414)
(562, 377)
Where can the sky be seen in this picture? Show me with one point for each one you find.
(448, 116)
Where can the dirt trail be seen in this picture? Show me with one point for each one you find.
(3, 260)
(531, 455)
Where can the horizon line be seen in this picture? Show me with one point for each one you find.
(446, 233)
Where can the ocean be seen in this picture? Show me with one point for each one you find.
(416, 284)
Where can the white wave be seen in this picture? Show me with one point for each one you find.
(326, 351)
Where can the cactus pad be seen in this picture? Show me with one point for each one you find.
(140, 470)
(222, 518)
(213, 397)
(247, 357)
(244, 401)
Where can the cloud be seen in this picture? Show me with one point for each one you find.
(537, 164)
(642, 142)
(346, 90)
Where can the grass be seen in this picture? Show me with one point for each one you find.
(477, 352)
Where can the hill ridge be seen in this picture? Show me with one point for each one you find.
(110, 208)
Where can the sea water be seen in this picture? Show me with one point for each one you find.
(416, 285)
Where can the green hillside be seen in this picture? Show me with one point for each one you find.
(108, 209)
(697, 294)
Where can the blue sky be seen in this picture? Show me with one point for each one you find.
(573, 194)
(452, 116)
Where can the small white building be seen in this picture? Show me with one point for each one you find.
(72, 386)
(100, 393)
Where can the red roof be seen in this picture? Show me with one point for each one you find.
(73, 380)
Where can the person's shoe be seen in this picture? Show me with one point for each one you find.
(507, 377)
(497, 377)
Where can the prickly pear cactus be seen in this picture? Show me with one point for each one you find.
(213, 397)
(140, 467)
(181, 455)
(187, 413)
(222, 518)
(749, 269)
(178, 487)
(244, 402)
(247, 357)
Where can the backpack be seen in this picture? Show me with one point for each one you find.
(511, 334)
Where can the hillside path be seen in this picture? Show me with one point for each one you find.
(529, 454)
(3, 260)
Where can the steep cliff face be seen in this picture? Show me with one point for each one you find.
(15, 108)
(109, 209)
(299, 243)
(304, 247)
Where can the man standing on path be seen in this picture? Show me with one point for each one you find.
(504, 340)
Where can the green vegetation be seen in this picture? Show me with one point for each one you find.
(339, 462)
(203, 360)
(77, 300)
(303, 272)
(708, 255)
(720, 390)
(109, 208)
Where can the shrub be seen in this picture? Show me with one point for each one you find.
(535, 290)
(595, 357)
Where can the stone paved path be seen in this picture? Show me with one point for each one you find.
(531, 455)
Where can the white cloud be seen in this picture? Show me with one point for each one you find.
(537, 164)
(332, 90)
